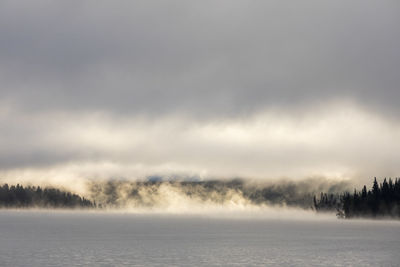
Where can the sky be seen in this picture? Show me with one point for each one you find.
(206, 89)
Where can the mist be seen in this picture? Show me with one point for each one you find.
(335, 141)
(175, 196)
(260, 90)
(201, 133)
(179, 196)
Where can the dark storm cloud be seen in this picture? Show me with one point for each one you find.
(204, 58)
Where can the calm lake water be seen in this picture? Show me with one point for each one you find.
(31, 238)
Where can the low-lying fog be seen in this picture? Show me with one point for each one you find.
(181, 196)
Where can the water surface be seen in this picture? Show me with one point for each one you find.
(31, 238)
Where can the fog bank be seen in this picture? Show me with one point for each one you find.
(209, 196)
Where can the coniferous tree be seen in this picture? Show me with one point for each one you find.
(30, 196)
(383, 200)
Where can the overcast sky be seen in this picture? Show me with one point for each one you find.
(252, 89)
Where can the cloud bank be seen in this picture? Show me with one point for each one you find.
(260, 89)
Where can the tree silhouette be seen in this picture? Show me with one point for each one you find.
(383, 200)
(24, 197)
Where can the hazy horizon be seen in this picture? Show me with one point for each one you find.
(199, 133)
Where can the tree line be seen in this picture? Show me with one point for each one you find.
(382, 200)
(31, 196)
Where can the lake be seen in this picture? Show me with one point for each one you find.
(45, 238)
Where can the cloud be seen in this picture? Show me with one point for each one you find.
(341, 143)
(205, 59)
(260, 89)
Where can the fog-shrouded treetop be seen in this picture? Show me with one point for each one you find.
(250, 89)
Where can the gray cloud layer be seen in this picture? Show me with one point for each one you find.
(205, 58)
(221, 88)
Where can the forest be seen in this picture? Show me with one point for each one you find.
(35, 197)
(381, 201)
(156, 193)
